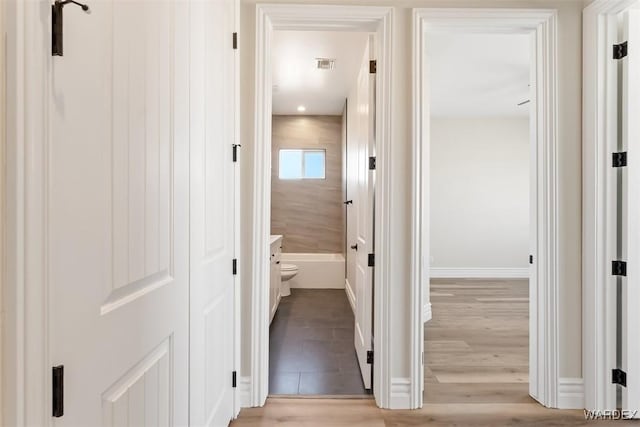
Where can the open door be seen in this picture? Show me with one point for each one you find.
(118, 216)
(364, 205)
(212, 212)
(630, 298)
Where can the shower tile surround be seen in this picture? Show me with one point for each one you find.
(311, 350)
(308, 213)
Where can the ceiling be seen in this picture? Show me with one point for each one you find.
(297, 81)
(478, 75)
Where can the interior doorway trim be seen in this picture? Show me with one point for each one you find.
(599, 133)
(319, 18)
(544, 317)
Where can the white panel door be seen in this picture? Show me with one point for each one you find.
(117, 214)
(631, 213)
(364, 140)
(212, 212)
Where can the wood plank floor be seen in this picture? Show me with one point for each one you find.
(476, 375)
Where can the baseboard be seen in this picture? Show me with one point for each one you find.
(350, 296)
(571, 393)
(400, 393)
(479, 273)
(426, 312)
(244, 392)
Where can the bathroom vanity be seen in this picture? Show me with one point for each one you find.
(274, 283)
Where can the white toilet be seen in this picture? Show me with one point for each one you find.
(287, 272)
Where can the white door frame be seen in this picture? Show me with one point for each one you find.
(318, 18)
(26, 381)
(544, 318)
(599, 130)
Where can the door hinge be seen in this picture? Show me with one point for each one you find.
(620, 50)
(235, 266)
(57, 382)
(619, 160)
(233, 379)
(530, 259)
(235, 40)
(372, 163)
(371, 260)
(373, 66)
(618, 376)
(618, 268)
(370, 357)
(235, 152)
(57, 45)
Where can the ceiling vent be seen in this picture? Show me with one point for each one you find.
(325, 63)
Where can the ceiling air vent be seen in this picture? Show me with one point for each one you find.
(325, 63)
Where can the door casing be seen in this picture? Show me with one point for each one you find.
(544, 323)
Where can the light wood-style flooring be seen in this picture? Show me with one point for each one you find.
(476, 375)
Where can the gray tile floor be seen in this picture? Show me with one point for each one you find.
(311, 347)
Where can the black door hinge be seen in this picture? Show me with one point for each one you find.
(618, 376)
(235, 266)
(619, 160)
(618, 268)
(235, 40)
(57, 382)
(371, 260)
(370, 357)
(373, 66)
(372, 163)
(234, 379)
(620, 50)
(57, 45)
(530, 259)
(235, 152)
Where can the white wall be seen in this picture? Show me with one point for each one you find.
(479, 193)
(569, 173)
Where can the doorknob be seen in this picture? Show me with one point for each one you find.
(348, 202)
(354, 247)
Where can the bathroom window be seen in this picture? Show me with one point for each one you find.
(302, 164)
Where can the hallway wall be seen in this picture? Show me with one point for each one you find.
(568, 154)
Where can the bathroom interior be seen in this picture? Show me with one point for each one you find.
(312, 303)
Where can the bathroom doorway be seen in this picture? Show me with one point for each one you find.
(321, 288)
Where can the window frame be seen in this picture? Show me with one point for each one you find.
(303, 151)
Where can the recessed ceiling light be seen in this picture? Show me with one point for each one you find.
(301, 108)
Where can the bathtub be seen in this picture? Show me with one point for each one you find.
(316, 271)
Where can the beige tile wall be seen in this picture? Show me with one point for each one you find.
(308, 213)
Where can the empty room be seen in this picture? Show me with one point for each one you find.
(477, 342)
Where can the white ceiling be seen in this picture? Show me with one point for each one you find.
(478, 75)
(296, 79)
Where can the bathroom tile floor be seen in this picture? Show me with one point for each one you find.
(311, 349)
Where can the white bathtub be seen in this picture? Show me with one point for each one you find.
(316, 271)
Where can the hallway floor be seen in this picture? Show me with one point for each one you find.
(311, 350)
(476, 374)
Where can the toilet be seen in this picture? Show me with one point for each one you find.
(287, 272)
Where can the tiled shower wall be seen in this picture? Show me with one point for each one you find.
(308, 213)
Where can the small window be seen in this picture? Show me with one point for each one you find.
(302, 164)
